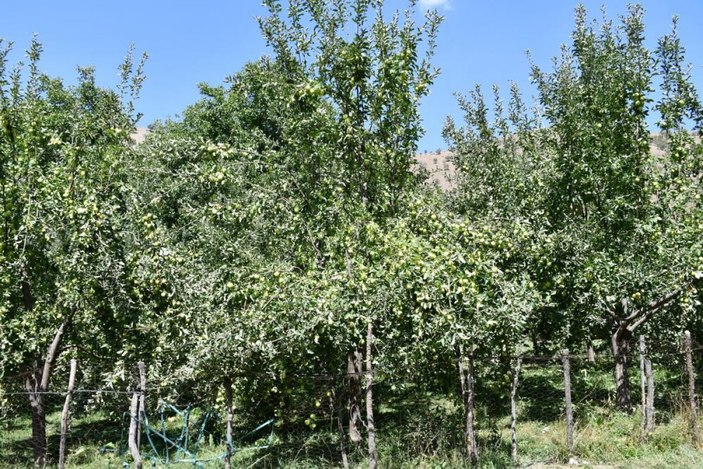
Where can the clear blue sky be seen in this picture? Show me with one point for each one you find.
(206, 40)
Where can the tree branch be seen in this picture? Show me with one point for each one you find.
(52, 353)
(665, 299)
(608, 309)
(655, 306)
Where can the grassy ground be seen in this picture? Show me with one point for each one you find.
(423, 432)
(612, 441)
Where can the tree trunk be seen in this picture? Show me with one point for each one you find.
(513, 409)
(591, 353)
(568, 408)
(643, 384)
(620, 342)
(354, 393)
(536, 349)
(625, 321)
(33, 385)
(688, 346)
(36, 403)
(370, 423)
(27, 297)
(335, 402)
(37, 384)
(142, 398)
(649, 425)
(230, 417)
(65, 414)
(466, 378)
(134, 428)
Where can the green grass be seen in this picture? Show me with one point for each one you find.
(422, 430)
(612, 441)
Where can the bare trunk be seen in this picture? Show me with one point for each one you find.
(230, 416)
(370, 423)
(32, 384)
(643, 384)
(36, 403)
(142, 397)
(567, 401)
(649, 425)
(133, 429)
(354, 393)
(625, 321)
(687, 345)
(335, 402)
(620, 342)
(535, 346)
(37, 381)
(466, 378)
(27, 297)
(65, 414)
(591, 353)
(513, 409)
(37, 384)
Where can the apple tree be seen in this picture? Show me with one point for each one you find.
(64, 279)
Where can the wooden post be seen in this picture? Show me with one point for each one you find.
(567, 400)
(133, 429)
(695, 432)
(513, 409)
(472, 405)
(335, 402)
(65, 414)
(465, 363)
(370, 424)
(649, 424)
(142, 392)
(643, 384)
(354, 394)
(230, 416)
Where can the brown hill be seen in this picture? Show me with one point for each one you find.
(440, 168)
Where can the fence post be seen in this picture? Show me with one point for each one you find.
(338, 403)
(471, 378)
(691, 386)
(465, 364)
(354, 394)
(649, 425)
(65, 413)
(513, 409)
(142, 392)
(370, 424)
(134, 429)
(567, 399)
(643, 385)
(228, 404)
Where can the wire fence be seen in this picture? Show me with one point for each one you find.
(520, 417)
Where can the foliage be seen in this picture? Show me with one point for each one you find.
(62, 251)
(614, 214)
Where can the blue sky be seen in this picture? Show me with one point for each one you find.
(206, 40)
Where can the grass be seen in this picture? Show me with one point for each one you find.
(422, 430)
(612, 441)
